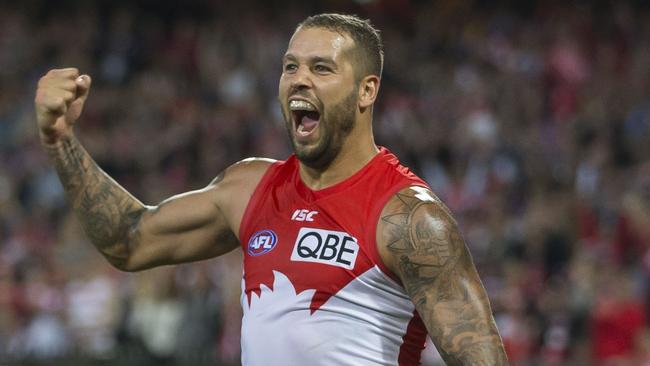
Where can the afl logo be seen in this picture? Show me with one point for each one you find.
(262, 242)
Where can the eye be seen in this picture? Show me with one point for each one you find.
(290, 67)
(319, 68)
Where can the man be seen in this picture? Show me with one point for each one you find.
(349, 259)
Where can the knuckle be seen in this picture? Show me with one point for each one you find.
(55, 101)
(53, 73)
(69, 85)
(40, 97)
(44, 80)
(63, 86)
(72, 72)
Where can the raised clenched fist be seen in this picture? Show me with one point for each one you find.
(59, 100)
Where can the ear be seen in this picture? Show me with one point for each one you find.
(368, 90)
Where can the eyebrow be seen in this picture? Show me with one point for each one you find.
(313, 59)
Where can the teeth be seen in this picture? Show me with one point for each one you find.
(301, 105)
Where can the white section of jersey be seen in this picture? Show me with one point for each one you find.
(362, 324)
(422, 194)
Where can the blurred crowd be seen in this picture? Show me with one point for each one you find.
(531, 120)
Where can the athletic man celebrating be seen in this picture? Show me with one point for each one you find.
(349, 258)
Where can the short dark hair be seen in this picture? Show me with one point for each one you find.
(369, 50)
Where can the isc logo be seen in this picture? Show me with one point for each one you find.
(262, 242)
(335, 248)
(303, 215)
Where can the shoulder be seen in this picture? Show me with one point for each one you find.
(413, 199)
(236, 184)
(395, 173)
(244, 173)
(416, 223)
(249, 167)
(233, 188)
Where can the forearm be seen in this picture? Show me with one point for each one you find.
(107, 212)
(455, 308)
(457, 315)
(469, 335)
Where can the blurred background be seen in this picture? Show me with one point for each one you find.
(530, 119)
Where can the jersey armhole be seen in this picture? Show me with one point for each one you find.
(372, 234)
(254, 200)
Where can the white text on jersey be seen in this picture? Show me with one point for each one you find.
(335, 248)
(303, 215)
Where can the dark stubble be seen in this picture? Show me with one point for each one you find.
(336, 123)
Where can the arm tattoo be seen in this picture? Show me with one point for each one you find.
(108, 213)
(439, 276)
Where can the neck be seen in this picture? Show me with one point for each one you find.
(352, 157)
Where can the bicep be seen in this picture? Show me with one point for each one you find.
(183, 228)
(196, 225)
(421, 243)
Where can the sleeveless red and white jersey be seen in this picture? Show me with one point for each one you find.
(315, 291)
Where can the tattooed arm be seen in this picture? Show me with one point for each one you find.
(419, 241)
(132, 236)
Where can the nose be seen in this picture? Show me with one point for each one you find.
(301, 79)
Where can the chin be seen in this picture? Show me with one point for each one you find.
(308, 154)
(316, 157)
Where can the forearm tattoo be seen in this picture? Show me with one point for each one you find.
(439, 275)
(108, 214)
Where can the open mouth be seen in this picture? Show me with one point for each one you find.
(305, 116)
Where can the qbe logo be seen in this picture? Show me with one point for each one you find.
(335, 248)
(262, 242)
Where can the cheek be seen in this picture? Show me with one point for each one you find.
(282, 86)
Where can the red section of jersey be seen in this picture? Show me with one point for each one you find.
(349, 210)
(413, 342)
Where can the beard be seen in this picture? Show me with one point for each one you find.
(336, 123)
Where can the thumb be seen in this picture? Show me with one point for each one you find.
(83, 87)
(74, 110)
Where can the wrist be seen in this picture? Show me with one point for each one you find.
(52, 139)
